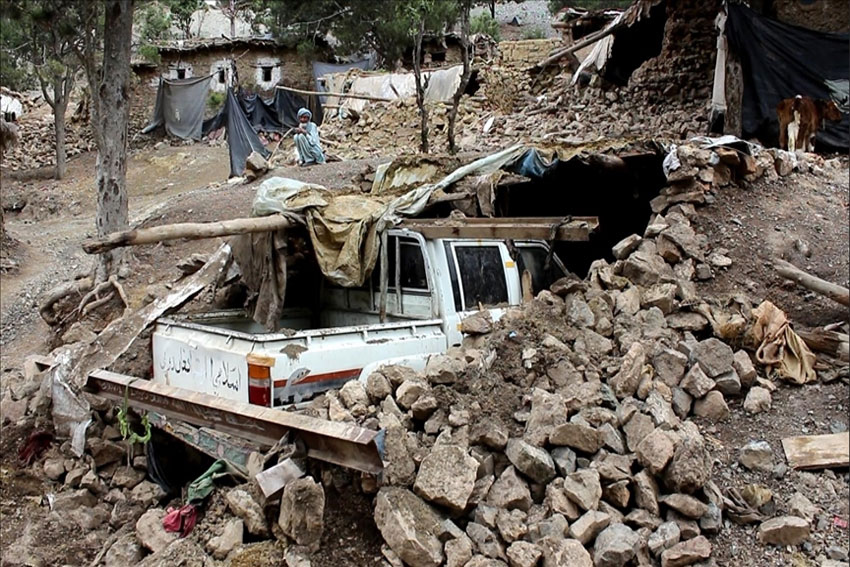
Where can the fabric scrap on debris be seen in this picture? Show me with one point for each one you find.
(261, 257)
(201, 487)
(180, 520)
(779, 346)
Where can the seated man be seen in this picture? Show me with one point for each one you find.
(307, 140)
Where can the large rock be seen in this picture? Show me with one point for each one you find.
(714, 356)
(629, 244)
(458, 551)
(510, 492)
(713, 406)
(686, 505)
(670, 366)
(784, 530)
(558, 552)
(686, 552)
(447, 477)
(399, 468)
(231, 536)
(533, 462)
(125, 551)
(690, 467)
(615, 546)
(744, 367)
(626, 381)
(758, 400)
(182, 553)
(302, 510)
(655, 451)
(636, 428)
(578, 313)
(409, 526)
(479, 323)
(151, 534)
(547, 412)
(378, 386)
(696, 383)
(583, 488)
(445, 369)
(576, 436)
(486, 542)
(523, 554)
(664, 537)
(662, 296)
(645, 267)
(243, 506)
(409, 391)
(353, 393)
(588, 526)
(756, 455)
(728, 383)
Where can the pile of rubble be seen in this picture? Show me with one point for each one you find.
(37, 145)
(564, 431)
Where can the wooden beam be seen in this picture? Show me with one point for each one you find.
(340, 95)
(574, 229)
(589, 40)
(333, 442)
(828, 342)
(187, 230)
(830, 290)
(818, 451)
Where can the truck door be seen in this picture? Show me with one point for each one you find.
(533, 256)
(483, 276)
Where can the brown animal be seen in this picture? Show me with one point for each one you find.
(799, 120)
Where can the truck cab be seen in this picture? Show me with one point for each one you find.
(409, 309)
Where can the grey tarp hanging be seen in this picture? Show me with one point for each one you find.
(180, 105)
(241, 137)
(321, 69)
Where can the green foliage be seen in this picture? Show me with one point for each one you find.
(555, 5)
(181, 13)
(307, 50)
(215, 100)
(388, 27)
(485, 23)
(13, 62)
(150, 53)
(533, 33)
(154, 23)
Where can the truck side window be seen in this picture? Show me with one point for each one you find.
(412, 266)
(533, 259)
(482, 275)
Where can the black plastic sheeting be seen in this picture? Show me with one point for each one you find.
(782, 61)
(277, 114)
(242, 139)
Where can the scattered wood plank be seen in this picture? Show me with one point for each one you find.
(571, 229)
(829, 342)
(188, 230)
(830, 290)
(273, 480)
(818, 451)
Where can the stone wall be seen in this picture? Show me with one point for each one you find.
(821, 15)
(526, 52)
(261, 66)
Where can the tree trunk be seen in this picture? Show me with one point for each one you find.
(493, 9)
(464, 78)
(420, 88)
(113, 119)
(59, 108)
(835, 292)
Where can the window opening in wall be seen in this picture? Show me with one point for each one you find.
(181, 73)
(221, 76)
(267, 74)
(438, 57)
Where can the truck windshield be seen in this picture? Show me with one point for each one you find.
(482, 276)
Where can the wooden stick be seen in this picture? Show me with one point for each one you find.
(341, 95)
(188, 230)
(830, 290)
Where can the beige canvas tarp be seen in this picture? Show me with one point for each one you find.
(442, 85)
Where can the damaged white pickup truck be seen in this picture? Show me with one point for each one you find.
(409, 309)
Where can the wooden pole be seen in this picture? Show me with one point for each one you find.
(592, 38)
(829, 342)
(341, 95)
(187, 230)
(830, 290)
